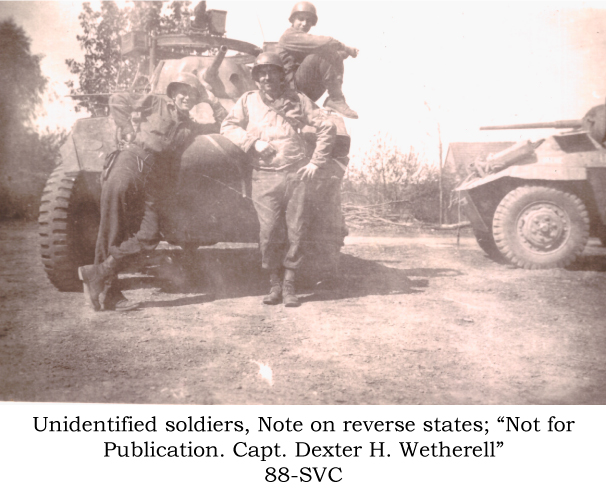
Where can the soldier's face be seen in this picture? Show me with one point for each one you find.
(185, 98)
(303, 21)
(269, 80)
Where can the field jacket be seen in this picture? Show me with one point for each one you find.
(295, 45)
(253, 119)
(162, 128)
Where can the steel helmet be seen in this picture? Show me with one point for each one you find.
(265, 59)
(307, 7)
(188, 79)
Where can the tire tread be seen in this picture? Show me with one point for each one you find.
(501, 218)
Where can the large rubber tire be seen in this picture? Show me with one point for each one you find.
(486, 242)
(538, 227)
(68, 225)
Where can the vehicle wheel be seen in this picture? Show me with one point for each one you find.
(538, 227)
(486, 242)
(68, 225)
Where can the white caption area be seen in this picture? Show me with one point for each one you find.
(531, 458)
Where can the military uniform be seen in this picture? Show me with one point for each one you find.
(143, 172)
(280, 197)
(313, 64)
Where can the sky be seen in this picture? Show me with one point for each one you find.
(422, 65)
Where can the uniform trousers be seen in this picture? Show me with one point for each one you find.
(280, 200)
(129, 223)
(319, 73)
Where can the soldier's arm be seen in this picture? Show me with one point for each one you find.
(123, 105)
(219, 114)
(302, 42)
(234, 126)
(326, 131)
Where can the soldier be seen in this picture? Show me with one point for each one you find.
(314, 64)
(137, 176)
(267, 125)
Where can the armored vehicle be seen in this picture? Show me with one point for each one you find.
(536, 203)
(211, 203)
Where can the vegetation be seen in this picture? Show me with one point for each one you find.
(394, 183)
(104, 70)
(28, 156)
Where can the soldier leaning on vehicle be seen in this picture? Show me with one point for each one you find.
(267, 125)
(138, 176)
(314, 64)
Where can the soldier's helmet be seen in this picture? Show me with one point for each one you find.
(307, 7)
(186, 79)
(265, 59)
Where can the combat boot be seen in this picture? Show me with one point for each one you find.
(340, 106)
(114, 300)
(289, 295)
(94, 279)
(275, 294)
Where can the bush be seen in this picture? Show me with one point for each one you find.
(401, 183)
(26, 168)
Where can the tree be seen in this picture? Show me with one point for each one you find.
(397, 181)
(22, 84)
(104, 70)
(26, 157)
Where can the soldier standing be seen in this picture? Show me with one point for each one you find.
(137, 178)
(314, 64)
(267, 125)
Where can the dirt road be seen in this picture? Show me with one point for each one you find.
(416, 320)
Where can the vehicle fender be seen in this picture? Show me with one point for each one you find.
(211, 202)
(84, 151)
(92, 140)
(545, 172)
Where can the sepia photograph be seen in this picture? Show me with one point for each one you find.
(303, 203)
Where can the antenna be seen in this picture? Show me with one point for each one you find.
(261, 27)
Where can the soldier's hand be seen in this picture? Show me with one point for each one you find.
(308, 171)
(209, 97)
(264, 149)
(124, 136)
(353, 52)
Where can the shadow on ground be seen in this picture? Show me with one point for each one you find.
(233, 273)
(589, 263)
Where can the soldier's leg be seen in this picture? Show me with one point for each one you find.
(121, 207)
(129, 226)
(324, 72)
(309, 77)
(297, 223)
(145, 240)
(267, 194)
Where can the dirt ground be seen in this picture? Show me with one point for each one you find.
(415, 320)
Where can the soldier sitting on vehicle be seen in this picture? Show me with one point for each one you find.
(136, 177)
(267, 125)
(314, 64)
